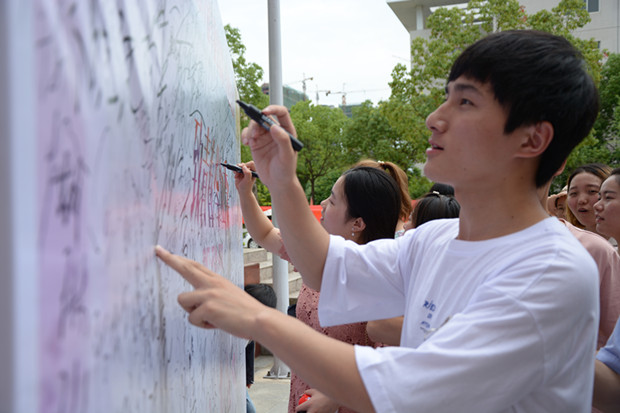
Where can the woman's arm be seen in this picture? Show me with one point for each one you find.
(259, 226)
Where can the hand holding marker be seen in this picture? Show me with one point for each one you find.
(266, 122)
(236, 169)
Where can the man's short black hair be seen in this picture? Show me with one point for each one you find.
(536, 77)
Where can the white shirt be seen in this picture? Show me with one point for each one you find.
(502, 325)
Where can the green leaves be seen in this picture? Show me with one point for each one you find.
(321, 129)
(417, 92)
(247, 75)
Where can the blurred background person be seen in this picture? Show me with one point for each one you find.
(583, 187)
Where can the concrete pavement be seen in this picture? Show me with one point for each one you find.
(268, 395)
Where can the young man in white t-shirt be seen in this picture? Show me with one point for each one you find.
(500, 305)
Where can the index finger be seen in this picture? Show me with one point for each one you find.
(188, 269)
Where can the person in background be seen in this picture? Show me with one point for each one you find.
(442, 189)
(433, 206)
(608, 263)
(556, 204)
(583, 186)
(607, 208)
(265, 295)
(607, 365)
(364, 205)
(400, 177)
(606, 396)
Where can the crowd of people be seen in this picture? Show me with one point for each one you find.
(490, 295)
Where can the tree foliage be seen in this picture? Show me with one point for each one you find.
(607, 126)
(382, 133)
(417, 92)
(248, 77)
(321, 130)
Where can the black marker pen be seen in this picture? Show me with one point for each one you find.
(236, 168)
(266, 122)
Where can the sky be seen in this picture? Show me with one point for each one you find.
(343, 45)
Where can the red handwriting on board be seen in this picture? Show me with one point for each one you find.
(210, 186)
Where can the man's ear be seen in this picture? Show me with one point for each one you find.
(535, 139)
(561, 168)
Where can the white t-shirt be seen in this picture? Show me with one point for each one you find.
(502, 325)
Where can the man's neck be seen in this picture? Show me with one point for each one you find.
(487, 216)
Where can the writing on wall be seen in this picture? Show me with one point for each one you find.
(135, 112)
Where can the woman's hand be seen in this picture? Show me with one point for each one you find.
(317, 403)
(244, 180)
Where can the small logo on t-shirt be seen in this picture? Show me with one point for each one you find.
(425, 325)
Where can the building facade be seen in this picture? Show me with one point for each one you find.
(604, 26)
(290, 96)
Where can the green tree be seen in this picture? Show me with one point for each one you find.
(248, 77)
(416, 92)
(321, 130)
(606, 126)
(370, 135)
(323, 185)
(381, 133)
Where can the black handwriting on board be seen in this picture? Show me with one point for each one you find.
(72, 383)
(73, 312)
(66, 172)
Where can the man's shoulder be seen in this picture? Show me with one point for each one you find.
(543, 243)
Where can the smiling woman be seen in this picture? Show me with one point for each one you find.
(583, 187)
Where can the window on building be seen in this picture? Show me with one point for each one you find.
(591, 5)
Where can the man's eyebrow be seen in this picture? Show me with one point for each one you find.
(463, 87)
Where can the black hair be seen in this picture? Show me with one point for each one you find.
(263, 293)
(443, 189)
(434, 206)
(399, 176)
(374, 196)
(536, 76)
